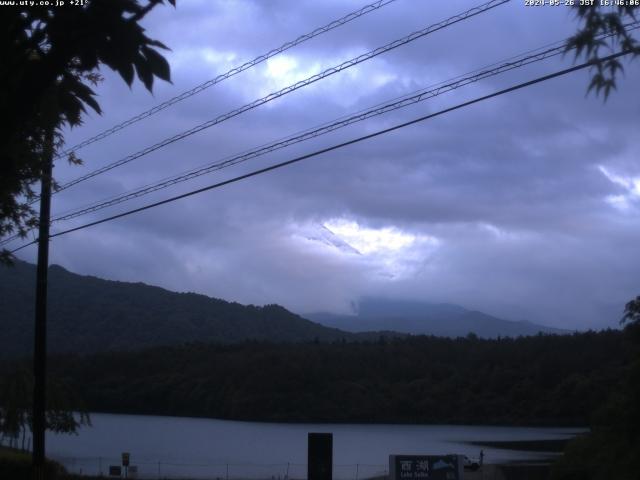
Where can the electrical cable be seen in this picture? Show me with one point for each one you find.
(382, 108)
(337, 146)
(234, 71)
(510, 63)
(291, 88)
(309, 134)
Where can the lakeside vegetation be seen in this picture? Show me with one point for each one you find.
(541, 380)
(16, 465)
(612, 449)
(581, 379)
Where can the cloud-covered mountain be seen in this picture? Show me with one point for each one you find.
(415, 317)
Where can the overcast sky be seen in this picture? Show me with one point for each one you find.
(524, 206)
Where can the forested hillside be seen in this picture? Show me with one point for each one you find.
(542, 380)
(89, 314)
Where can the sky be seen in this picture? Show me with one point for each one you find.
(525, 206)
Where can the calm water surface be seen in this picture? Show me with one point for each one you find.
(203, 448)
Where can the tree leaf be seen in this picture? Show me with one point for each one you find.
(144, 72)
(126, 72)
(158, 64)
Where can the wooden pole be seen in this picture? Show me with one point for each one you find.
(40, 336)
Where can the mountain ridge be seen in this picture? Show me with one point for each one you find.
(88, 314)
(424, 318)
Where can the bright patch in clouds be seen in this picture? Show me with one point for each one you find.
(630, 184)
(388, 251)
(344, 87)
(285, 70)
(369, 240)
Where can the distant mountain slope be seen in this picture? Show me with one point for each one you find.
(89, 314)
(418, 318)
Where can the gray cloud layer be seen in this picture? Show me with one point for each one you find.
(525, 206)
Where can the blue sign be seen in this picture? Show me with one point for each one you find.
(425, 467)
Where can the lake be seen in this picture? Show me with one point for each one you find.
(203, 448)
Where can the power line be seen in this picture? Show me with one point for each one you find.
(379, 109)
(302, 83)
(234, 71)
(382, 108)
(471, 12)
(338, 146)
(526, 58)
(312, 133)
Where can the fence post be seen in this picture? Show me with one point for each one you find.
(357, 466)
(159, 475)
(227, 471)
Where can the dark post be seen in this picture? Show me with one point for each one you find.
(320, 456)
(40, 341)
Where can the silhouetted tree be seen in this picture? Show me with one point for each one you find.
(50, 59)
(612, 448)
(16, 390)
(632, 311)
(595, 21)
(544, 380)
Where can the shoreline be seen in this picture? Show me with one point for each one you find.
(539, 446)
(579, 429)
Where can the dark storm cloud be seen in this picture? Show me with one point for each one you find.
(503, 206)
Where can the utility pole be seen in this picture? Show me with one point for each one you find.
(40, 337)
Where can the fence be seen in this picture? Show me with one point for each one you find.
(215, 471)
(163, 470)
